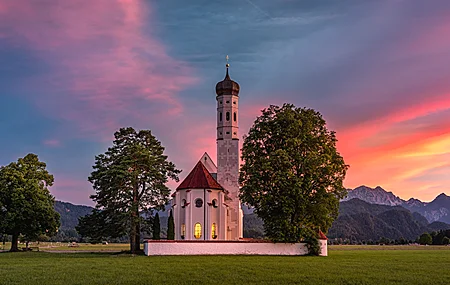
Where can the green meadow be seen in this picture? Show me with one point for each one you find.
(344, 265)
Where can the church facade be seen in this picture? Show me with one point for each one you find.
(206, 204)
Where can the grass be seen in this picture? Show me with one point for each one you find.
(344, 265)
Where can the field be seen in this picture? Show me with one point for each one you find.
(344, 265)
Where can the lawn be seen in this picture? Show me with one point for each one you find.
(395, 265)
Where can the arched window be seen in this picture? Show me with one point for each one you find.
(220, 116)
(183, 203)
(198, 203)
(183, 231)
(227, 116)
(213, 231)
(234, 116)
(214, 203)
(198, 231)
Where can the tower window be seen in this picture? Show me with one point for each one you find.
(220, 116)
(234, 102)
(198, 203)
(183, 231)
(213, 231)
(220, 102)
(198, 231)
(227, 116)
(234, 116)
(183, 203)
(214, 203)
(228, 133)
(228, 102)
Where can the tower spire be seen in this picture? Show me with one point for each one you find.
(227, 76)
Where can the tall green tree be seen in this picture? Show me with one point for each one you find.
(26, 205)
(170, 227)
(130, 179)
(292, 173)
(156, 227)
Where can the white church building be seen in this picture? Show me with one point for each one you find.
(206, 208)
(206, 204)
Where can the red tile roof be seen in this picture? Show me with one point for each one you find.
(199, 178)
(322, 235)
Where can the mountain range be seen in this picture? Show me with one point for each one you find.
(436, 210)
(365, 214)
(362, 221)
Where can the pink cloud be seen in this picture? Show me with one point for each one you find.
(107, 68)
(52, 143)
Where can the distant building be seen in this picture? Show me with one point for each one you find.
(206, 204)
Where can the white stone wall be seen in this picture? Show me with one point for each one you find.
(226, 248)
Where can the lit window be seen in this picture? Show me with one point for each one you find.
(198, 203)
(183, 231)
(198, 231)
(214, 203)
(213, 231)
(235, 116)
(227, 116)
(220, 116)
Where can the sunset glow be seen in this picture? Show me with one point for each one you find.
(74, 72)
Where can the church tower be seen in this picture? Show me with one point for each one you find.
(227, 98)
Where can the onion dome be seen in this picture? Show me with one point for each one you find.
(227, 86)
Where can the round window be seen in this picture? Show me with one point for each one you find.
(198, 203)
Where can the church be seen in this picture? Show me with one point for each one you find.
(206, 204)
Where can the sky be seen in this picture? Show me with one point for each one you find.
(72, 72)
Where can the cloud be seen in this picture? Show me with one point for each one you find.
(106, 69)
(52, 143)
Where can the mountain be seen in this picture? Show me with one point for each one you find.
(70, 213)
(362, 221)
(436, 210)
(376, 195)
(359, 220)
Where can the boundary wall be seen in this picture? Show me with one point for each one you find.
(244, 247)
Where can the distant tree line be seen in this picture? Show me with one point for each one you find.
(441, 237)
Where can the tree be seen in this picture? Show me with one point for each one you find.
(95, 227)
(130, 182)
(425, 239)
(156, 227)
(292, 173)
(26, 205)
(446, 241)
(170, 227)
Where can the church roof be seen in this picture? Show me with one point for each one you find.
(227, 86)
(322, 235)
(199, 178)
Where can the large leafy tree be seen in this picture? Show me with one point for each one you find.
(26, 205)
(292, 173)
(130, 179)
